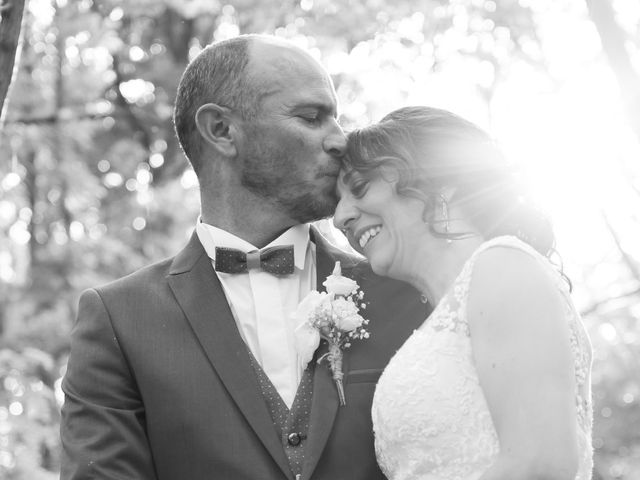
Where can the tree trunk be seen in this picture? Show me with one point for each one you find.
(11, 12)
(613, 40)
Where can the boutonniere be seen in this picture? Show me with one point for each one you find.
(333, 316)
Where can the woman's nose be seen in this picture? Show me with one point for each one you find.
(345, 214)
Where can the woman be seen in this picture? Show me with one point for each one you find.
(496, 383)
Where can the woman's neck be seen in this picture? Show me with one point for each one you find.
(439, 263)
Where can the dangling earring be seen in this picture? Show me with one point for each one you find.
(445, 216)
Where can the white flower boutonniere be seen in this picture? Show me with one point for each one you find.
(332, 315)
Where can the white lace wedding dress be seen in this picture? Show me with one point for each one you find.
(430, 417)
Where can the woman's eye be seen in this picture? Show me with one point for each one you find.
(359, 188)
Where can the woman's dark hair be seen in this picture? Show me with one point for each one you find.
(428, 150)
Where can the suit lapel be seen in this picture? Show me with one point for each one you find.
(325, 405)
(201, 297)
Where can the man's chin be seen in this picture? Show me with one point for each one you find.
(310, 210)
(328, 207)
(313, 216)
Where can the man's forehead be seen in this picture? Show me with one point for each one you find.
(277, 67)
(283, 58)
(275, 47)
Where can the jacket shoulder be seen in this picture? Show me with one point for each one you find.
(146, 276)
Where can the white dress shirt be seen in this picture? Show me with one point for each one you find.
(262, 303)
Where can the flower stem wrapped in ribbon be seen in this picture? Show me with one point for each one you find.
(333, 316)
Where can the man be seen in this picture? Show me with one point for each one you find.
(187, 370)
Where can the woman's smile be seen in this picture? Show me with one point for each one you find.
(367, 235)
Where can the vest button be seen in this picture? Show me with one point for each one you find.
(294, 439)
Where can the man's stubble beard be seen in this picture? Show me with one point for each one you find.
(296, 200)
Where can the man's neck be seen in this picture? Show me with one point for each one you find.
(233, 208)
(257, 237)
(257, 228)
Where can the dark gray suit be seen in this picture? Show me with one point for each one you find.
(159, 383)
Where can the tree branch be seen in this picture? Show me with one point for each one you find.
(135, 122)
(11, 15)
(55, 118)
(613, 41)
(631, 264)
(600, 303)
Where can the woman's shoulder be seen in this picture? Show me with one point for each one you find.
(508, 278)
(509, 258)
(508, 243)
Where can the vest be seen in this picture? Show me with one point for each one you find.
(292, 425)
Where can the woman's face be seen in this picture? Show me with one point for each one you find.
(379, 223)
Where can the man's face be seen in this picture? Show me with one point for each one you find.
(291, 150)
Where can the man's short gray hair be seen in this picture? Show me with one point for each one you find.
(217, 75)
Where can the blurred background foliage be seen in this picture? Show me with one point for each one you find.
(93, 185)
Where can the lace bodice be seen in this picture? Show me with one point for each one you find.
(430, 417)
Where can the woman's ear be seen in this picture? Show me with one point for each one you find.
(215, 124)
(437, 204)
(389, 174)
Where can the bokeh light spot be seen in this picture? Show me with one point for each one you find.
(104, 165)
(16, 408)
(139, 223)
(113, 179)
(156, 160)
(11, 180)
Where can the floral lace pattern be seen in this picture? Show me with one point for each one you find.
(430, 416)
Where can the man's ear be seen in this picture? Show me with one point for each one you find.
(215, 124)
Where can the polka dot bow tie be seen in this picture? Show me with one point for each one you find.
(275, 260)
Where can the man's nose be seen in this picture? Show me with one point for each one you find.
(335, 143)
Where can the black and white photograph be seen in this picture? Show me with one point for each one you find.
(319, 240)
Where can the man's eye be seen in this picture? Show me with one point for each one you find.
(310, 118)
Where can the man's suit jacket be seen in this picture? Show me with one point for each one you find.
(159, 384)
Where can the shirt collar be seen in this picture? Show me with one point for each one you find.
(212, 237)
